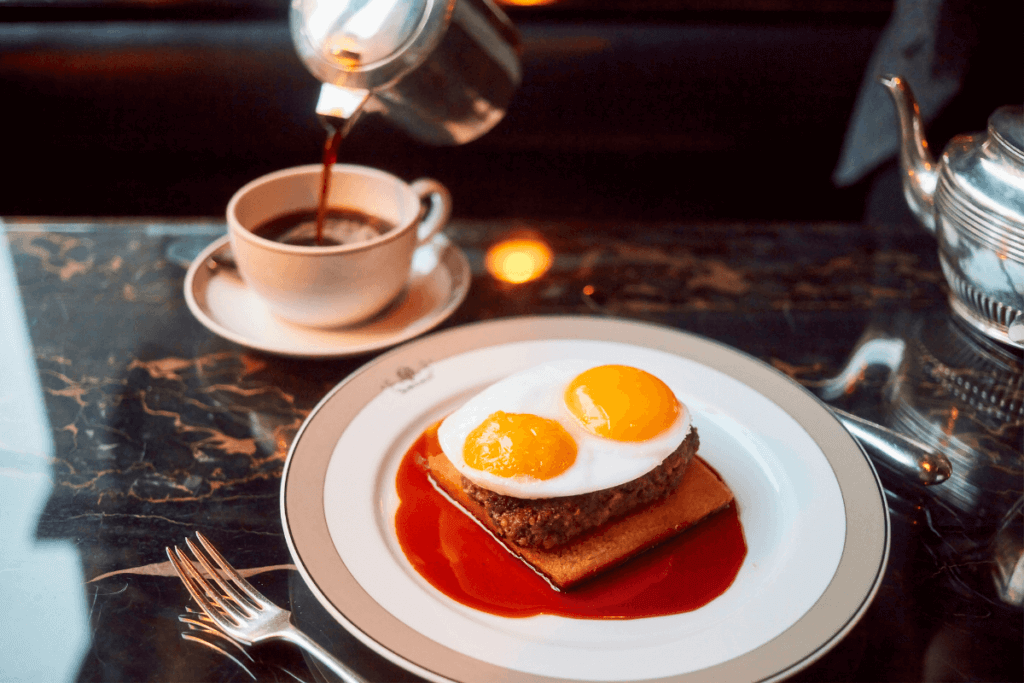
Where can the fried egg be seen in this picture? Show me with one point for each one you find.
(564, 428)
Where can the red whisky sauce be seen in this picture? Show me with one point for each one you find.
(465, 563)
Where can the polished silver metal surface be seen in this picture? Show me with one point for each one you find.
(1008, 556)
(341, 106)
(872, 351)
(973, 201)
(203, 631)
(961, 393)
(907, 456)
(239, 610)
(442, 70)
(956, 391)
(903, 454)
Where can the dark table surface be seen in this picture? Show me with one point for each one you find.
(127, 426)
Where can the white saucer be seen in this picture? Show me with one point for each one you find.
(220, 300)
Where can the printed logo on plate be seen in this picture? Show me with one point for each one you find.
(407, 378)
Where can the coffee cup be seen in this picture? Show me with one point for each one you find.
(356, 273)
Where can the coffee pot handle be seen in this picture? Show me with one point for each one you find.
(437, 203)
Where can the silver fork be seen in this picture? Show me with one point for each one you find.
(241, 611)
(202, 631)
(209, 636)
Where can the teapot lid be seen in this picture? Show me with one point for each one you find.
(366, 43)
(1007, 126)
(988, 171)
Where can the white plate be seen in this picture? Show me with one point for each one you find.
(218, 298)
(812, 509)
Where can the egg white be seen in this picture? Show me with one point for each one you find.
(600, 463)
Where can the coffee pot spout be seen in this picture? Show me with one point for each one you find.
(341, 106)
(920, 172)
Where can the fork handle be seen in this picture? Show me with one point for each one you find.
(293, 635)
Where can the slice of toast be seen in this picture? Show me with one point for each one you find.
(700, 494)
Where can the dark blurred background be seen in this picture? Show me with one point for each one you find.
(631, 109)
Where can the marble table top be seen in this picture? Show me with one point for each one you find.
(127, 425)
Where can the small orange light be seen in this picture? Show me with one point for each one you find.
(518, 260)
(951, 422)
(526, 3)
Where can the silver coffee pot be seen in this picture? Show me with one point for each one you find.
(444, 71)
(973, 201)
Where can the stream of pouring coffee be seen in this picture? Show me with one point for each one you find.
(335, 133)
(337, 127)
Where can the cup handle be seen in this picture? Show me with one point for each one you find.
(438, 201)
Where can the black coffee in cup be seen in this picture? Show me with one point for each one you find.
(341, 226)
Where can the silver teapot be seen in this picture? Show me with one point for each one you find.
(442, 70)
(973, 201)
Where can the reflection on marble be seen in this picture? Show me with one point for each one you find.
(161, 428)
(961, 393)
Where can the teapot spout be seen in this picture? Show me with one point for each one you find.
(920, 173)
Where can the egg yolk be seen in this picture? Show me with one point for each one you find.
(511, 444)
(621, 403)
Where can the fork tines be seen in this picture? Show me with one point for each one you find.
(232, 603)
